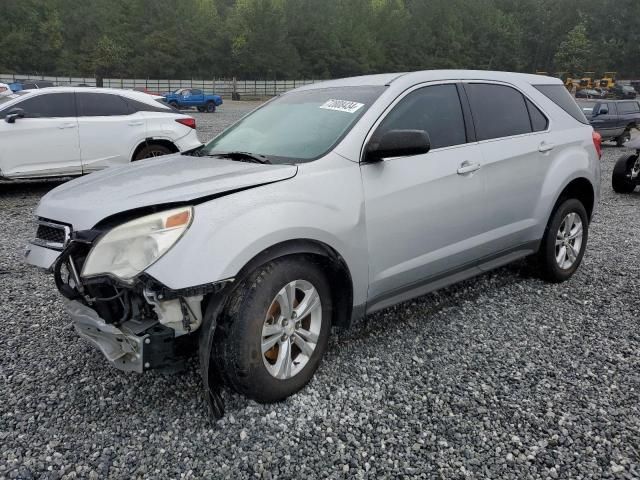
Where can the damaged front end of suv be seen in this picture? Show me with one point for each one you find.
(137, 322)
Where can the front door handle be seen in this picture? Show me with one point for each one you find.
(468, 167)
(136, 123)
(546, 147)
(67, 125)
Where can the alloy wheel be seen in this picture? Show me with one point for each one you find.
(569, 240)
(291, 329)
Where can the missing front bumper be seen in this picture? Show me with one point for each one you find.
(133, 346)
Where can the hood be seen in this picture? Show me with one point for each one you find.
(85, 201)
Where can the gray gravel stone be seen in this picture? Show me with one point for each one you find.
(502, 376)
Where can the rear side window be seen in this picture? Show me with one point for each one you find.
(628, 107)
(498, 111)
(435, 109)
(160, 106)
(53, 105)
(559, 95)
(101, 105)
(539, 122)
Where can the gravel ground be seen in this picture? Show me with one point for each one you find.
(502, 376)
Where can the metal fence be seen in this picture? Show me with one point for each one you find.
(223, 87)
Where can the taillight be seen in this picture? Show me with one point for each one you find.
(597, 142)
(189, 122)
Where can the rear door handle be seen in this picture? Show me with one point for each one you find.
(468, 167)
(546, 147)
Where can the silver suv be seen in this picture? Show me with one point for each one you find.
(327, 203)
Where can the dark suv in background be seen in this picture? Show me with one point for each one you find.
(612, 119)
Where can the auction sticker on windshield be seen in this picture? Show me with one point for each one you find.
(342, 105)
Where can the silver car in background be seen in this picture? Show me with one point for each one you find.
(327, 203)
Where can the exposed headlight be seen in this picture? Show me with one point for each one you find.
(132, 247)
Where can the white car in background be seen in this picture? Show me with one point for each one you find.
(5, 91)
(63, 131)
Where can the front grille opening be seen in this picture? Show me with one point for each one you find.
(51, 234)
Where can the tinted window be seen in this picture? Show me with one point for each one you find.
(48, 106)
(137, 106)
(588, 107)
(628, 107)
(196, 92)
(538, 121)
(559, 95)
(498, 111)
(101, 105)
(435, 109)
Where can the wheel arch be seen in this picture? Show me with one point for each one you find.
(579, 188)
(154, 141)
(331, 262)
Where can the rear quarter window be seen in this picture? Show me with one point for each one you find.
(559, 95)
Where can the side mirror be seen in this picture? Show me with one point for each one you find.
(13, 115)
(603, 111)
(398, 143)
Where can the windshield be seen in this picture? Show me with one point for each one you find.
(298, 126)
(9, 98)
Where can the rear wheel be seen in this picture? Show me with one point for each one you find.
(564, 242)
(275, 330)
(152, 150)
(624, 138)
(174, 105)
(210, 107)
(625, 174)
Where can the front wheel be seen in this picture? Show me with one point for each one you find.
(275, 330)
(625, 174)
(564, 242)
(210, 107)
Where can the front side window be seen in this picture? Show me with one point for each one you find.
(435, 109)
(53, 105)
(298, 126)
(498, 111)
(101, 105)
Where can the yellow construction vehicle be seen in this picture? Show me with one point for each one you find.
(608, 80)
(587, 80)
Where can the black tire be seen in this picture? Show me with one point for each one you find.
(546, 258)
(210, 107)
(152, 150)
(624, 138)
(237, 349)
(620, 179)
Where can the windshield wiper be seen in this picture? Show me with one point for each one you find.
(242, 157)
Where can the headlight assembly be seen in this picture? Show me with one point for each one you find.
(132, 247)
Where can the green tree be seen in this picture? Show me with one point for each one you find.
(107, 59)
(574, 53)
